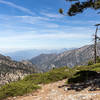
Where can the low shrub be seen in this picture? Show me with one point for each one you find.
(48, 77)
(30, 82)
(17, 89)
(82, 76)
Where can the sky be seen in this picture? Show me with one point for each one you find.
(37, 24)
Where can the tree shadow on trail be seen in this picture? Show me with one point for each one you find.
(84, 79)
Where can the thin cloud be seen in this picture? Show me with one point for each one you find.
(31, 36)
(32, 19)
(35, 20)
(17, 7)
(51, 15)
(32, 39)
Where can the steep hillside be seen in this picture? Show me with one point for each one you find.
(12, 70)
(54, 85)
(43, 61)
(32, 82)
(68, 58)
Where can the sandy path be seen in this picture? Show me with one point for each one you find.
(52, 92)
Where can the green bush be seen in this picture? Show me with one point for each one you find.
(90, 62)
(98, 59)
(30, 82)
(48, 77)
(17, 89)
(81, 73)
(90, 67)
(82, 76)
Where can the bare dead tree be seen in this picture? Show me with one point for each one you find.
(95, 43)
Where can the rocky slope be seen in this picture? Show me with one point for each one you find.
(43, 61)
(12, 70)
(68, 58)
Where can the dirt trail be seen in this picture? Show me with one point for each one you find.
(52, 92)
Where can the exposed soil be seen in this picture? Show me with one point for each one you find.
(53, 92)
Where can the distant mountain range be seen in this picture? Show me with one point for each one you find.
(28, 54)
(68, 58)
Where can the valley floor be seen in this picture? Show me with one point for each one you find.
(53, 92)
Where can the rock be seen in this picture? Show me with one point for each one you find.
(65, 89)
(14, 97)
(92, 89)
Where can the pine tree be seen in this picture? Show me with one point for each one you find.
(78, 6)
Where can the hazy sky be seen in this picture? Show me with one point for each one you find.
(27, 24)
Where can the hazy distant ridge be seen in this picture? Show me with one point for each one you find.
(28, 54)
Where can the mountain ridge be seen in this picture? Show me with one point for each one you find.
(70, 58)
